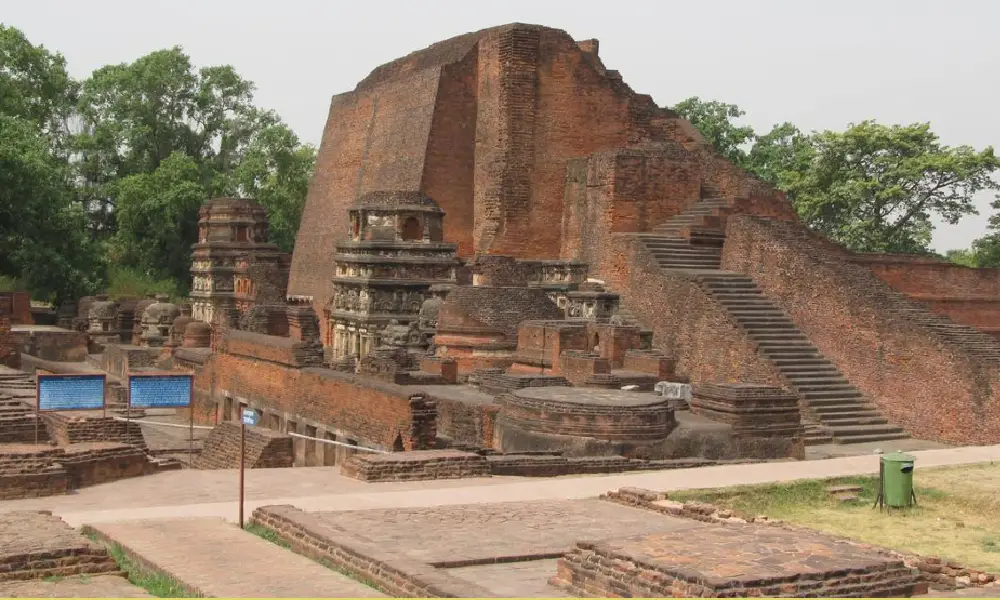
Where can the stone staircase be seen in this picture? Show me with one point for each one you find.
(835, 410)
(840, 410)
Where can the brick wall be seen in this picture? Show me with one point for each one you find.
(264, 449)
(10, 355)
(936, 392)
(484, 123)
(687, 324)
(374, 412)
(624, 190)
(17, 307)
(416, 466)
(120, 359)
(58, 345)
(34, 473)
(966, 295)
(76, 428)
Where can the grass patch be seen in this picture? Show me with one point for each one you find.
(268, 534)
(156, 584)
(272, 536)
(955, 517)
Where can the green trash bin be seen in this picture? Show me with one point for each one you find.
(897, 479)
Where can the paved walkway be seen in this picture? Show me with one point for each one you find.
(192, 493)
(222, 561)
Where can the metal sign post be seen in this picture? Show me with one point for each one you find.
(249, 417)
(152, 389)
(68, 392)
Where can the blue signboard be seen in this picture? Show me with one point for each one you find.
(70, 392)
(159, 391)
(249, 417)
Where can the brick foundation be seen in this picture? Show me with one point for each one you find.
(419, 465)
(83, 427)
(37, 545)
(264, 449)
(391, 571)
(37, 471)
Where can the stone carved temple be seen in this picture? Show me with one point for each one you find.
(385, 270)
(228, 229)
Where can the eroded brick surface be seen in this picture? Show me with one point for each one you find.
(34, 545)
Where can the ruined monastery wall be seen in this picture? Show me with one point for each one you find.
(966, 295)
(934, 392)
(374, 412)
(687, 324)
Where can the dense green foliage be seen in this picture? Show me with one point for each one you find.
(111, 171)
(872, 187)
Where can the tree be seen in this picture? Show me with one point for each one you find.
(781, 156)
(34, 83)
(158, 218)
(139, 115)
(275, 170)
(715, 121)
(134, 116)
(43, 239)
(875, 188)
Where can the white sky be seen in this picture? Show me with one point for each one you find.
(817, 64)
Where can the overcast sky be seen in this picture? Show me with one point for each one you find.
(818, 64)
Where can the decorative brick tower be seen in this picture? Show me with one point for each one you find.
(228, 228)
(384, 271)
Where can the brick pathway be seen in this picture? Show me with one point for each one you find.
(99, 586)
(482, 532)
(220, 560)
(213, 493)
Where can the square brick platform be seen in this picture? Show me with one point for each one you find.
(733, 561)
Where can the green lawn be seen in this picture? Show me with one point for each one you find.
(957, 517)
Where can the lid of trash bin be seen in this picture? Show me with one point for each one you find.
(898, 457)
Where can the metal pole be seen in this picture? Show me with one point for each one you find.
(243, 441)
(38, 405)
(191, 422)
(128, 410)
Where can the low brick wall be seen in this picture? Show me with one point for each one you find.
(103, 464)
(10, 354)
(264, 448)
(34, 472)
(51, 343)
(454, 464)
(603, 570)
(393, 572)
(753, 411)
(38, 545)
(18, 424)
(416, 465)
(80, 427)
(934, 571)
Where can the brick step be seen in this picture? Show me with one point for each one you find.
(760, 313)
(846, 413)
(685, 252)
(781, 363)
(842, 422)
(730, 297)
(830, 398)
(777, 356)
(762, 325)
(750, 303)
(868, 438)
(811, 379)
(686, 266)
(809, 368)
(814, 390)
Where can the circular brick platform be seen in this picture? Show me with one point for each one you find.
(583, 421)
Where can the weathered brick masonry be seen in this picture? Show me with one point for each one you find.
(966, 295)
(935, 390)
(263, 449)
(267, 373)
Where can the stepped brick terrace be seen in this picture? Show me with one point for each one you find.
(510, 264)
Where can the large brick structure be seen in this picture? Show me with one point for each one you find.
(538, 152)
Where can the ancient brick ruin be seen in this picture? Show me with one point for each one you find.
(506, 256)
